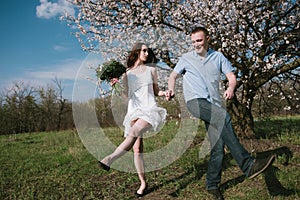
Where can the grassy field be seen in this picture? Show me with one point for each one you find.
(56, 165)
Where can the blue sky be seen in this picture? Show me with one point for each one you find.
(36, 46)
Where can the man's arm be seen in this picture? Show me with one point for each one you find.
(171, 85)
(229, 93)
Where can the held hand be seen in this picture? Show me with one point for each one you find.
(161, 93)
(169, 95)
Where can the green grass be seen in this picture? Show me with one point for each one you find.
(56, 165)
(284, 128)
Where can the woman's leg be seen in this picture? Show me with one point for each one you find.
(139, 163)
(136, 130)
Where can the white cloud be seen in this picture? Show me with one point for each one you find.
(49, 9)
(66, 69)
(60, 48)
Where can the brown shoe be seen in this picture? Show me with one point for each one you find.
(260, 165)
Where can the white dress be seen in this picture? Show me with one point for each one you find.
(141, 101)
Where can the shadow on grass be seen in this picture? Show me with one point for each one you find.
(273, 184)
(199, 169)
(185, 179)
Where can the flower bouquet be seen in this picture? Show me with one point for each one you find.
(110, 72)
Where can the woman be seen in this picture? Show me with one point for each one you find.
(143, 114)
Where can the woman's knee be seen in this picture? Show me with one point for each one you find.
(138, 128)
(138, 146)
(137, 149)
(135, 130)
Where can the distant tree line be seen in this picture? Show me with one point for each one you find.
(24, 108)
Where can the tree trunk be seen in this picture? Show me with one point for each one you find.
(242, 119)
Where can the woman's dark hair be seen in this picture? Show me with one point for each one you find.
(151, 56)
(135, 53)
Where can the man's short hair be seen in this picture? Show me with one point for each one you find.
(199, 29)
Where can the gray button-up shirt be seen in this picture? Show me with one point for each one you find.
(202, 76)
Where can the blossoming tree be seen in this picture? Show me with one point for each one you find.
(260, 37)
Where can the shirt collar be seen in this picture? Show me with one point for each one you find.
(209, 51)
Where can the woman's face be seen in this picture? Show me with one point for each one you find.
(143, 54)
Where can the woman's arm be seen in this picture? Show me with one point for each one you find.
(157, 92)
(125, 81)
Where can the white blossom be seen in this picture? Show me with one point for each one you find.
(238, 29)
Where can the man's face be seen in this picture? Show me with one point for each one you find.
(200, 42)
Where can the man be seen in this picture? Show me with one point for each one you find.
(201, 70)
